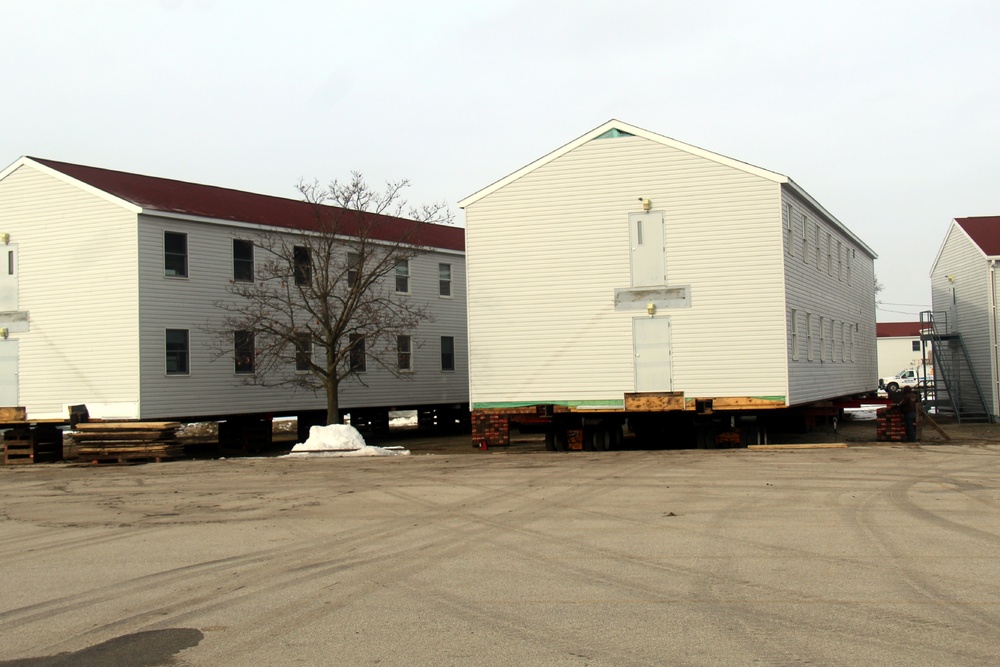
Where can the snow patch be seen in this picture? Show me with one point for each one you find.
(340, 440)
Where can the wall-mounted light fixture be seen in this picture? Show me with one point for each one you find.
(5, 238)
(951, 279)
(651, 308)
(4, 332)
(646, 204)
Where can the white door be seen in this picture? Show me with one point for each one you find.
(645, 231)
(8, 277)
(8, 373)
(651, 342)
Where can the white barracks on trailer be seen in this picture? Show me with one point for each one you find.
(630, 278)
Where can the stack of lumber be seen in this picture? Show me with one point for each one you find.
(126, 441)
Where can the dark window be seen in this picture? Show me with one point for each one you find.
(242, 261)
(357, 353)
(447, 353)
(403, 352)
(177, 351)
(444, 279)
(303, 265)
(175, 254)
(353, 268)
(243, 346)
(403, 277)
(303, 351)
(916, 346)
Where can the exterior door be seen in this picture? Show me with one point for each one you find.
(8, 277)
(645, 232)
(651, 343)
(8, 373)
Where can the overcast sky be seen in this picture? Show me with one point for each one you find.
(886, 112)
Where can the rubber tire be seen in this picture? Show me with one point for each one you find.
(892, 387)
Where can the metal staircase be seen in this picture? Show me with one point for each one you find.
(952, 387)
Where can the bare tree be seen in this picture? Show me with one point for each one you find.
(322, 302)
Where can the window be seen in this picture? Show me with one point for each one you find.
(177, 351)
(849, 255)
(303, 351)
(302, 270)
(242, 261)
(357, 359)
(353, 268)
(819, 250)
(447, 353)
(833, 340)
(243, 347)
(822, 338)
(175, 254)
(403, 357)
(403, 277)
(789, 241)
(916, 346)
(444, 279)
(853, 329)
(843, 341)
(805, 239)
(829, 255)
(840, 260)
(795, 334)
(809, 337)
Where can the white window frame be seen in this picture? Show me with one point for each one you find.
(445, 284)
(408, 368)
(403, 275)
(822, 338)
(186, 255)
(187, 353)
(809, 337)
(794, 317)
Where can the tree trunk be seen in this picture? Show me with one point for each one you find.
(332, 402)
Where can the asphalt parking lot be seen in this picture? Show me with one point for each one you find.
(870, 554)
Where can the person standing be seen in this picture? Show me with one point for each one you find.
(908, 404)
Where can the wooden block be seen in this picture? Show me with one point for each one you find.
(18, 414)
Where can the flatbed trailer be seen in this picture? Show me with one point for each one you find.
(662, 419)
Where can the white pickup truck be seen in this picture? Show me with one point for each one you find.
(911, 377)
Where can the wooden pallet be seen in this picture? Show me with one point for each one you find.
(18, 452)
(129, 454)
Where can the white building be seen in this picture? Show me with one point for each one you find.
(899, 347)
(626, 261)
(110, 288)
(964, 285)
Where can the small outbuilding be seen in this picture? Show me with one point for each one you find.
(628, 263)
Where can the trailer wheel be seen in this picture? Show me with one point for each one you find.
(597, 439)
(892, 387)
(616, 437)
(555, 440)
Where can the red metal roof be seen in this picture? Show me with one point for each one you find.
(897, 329)
(984, 231)
(208, 201)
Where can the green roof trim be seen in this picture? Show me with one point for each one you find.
(614, 133)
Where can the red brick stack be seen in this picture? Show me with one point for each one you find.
(890, 426)
(490, 430)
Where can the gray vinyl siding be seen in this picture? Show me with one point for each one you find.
(546, 252)
(212, 387)
(969, 312)
(76, 271)
(834, 292)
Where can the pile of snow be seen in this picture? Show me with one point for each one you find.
(340, 440)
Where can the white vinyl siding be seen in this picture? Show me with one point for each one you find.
(548, 250)
(969, 315)
(77, 269)
(190, 304)
(831, 301)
